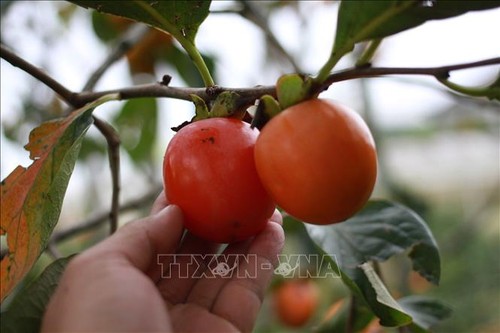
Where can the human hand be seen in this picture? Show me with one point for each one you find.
(119, 285)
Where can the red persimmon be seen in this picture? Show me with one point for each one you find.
(209, 172)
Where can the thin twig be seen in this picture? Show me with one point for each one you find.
(368, 53)
(37, 73)
(226, 11)
(351, 316)
(113, 140)
(437, 72)
(53, 251)
(160, 90)
(130, 38)
(459, 99)
(147, 90)
(253, 14)
(101, 218)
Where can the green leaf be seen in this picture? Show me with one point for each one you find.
(354, 278)
(32, 197)
(92, 146)
(26, 311)
(363, 20)
(104, 29)
(297, 229)
(379, 231)
(425, 311)
(178, 17)
(383, 295)
(494, 90)
(136, 122)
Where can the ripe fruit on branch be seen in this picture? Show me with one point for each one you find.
(209, 172)
(318, 161)
(295, 301)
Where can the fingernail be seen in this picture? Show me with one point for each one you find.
(277, 217)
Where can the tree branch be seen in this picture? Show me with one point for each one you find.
(38, 73)
(131, 37)
(101, 218)
(458, 98)
(441, 72)
(247, 94)
(53, 251)
(253, 14)
(368, 53)
(160, 90)
(113, 140)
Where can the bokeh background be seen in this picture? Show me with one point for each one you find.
(439, 152)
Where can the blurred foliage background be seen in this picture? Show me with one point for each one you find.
(439, 152)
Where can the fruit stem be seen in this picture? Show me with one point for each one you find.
(341, 47)
(200, 64)
(324, 72)
(186, 43)
(369, 52)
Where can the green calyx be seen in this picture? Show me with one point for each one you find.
(224, 105)
(292, 89)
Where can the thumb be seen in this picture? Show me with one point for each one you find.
(140, 241)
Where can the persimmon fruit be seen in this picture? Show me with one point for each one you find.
(295, 301)
(318, 161)
(209, 172)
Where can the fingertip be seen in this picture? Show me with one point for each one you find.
(166, 229)
(276, 217)
(160, 203)
(270, 242)
(141, 240)
(174, 210)
(278, 234)
(170, 213)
